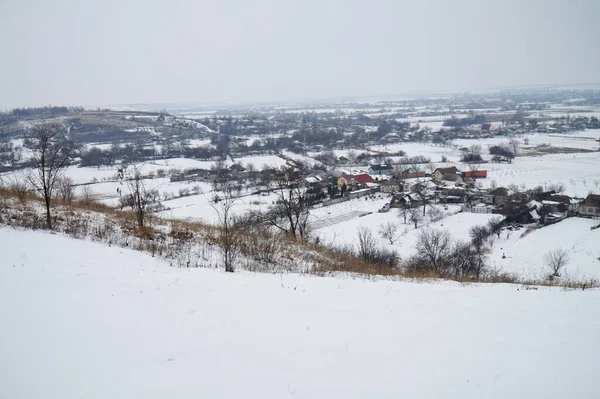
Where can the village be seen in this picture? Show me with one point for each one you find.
(407, 186)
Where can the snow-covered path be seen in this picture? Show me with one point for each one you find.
(81, 320)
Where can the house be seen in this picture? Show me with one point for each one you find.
(439, 173)
(353, 182)
(497, 196)
(392, 186)
(411, 173)
(315, 181)
(556, 203)
(590, 207)
(452, 178)
(516, 210)
(486, 127)
(238, 170)
(410, 200)
(380, 170)
(453, 195)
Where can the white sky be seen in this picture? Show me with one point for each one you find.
(79, 52)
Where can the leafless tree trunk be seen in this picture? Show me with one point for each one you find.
(66, 191)
(140, 198)
(495, 226)
(514, 146)
(404, 212)
(229, 235)
(137, 189)
(290, 214)
(479, 237)
(87, 194)
(367, 244)
(420, 189)
(389, 231)
(51, 157)
(20, 188)
(556, 260)
(415, 217)
(435, 248)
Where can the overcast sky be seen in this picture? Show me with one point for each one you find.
(78, 52)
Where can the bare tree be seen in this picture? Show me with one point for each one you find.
(463, 260)
(140, 198)
(290, 214)
(556, 260)
(389, 231)
(495, 225)
(87, 194)
(20, 188)
(479, 240)
(367, 244)
(66, 190)
(415, 217)
(435, 214)
(557, 187)
(475, 149)
(229, 234)
(420, 188)
(514, 144)
(352, 155)
(435, 247)
(51, 155)
(404, 212)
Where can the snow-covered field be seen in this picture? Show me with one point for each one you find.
(434, 152)
(525, 255)
(200, 207)
(584, 140)
(81, 320)
(346, 231)
(579, 173)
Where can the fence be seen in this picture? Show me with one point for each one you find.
(478, 209)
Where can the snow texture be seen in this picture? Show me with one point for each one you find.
(81, 320)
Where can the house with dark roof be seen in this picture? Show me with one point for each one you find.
(497, 196)
(380, 169)
(590, 206)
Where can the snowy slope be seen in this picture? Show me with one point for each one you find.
(80, 320)
(525, 256)
(346, 231)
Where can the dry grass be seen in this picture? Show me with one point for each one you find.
(192, 244)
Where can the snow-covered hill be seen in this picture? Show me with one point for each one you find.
(83, 320)
(524, 254)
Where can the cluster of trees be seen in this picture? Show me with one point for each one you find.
(461, 122)
(288, 216)
(39, 112)
(438, 253)
(370, 251)
(505, 152)
(52, 154)
(473, 154)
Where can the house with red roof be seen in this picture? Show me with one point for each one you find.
(353, 182)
